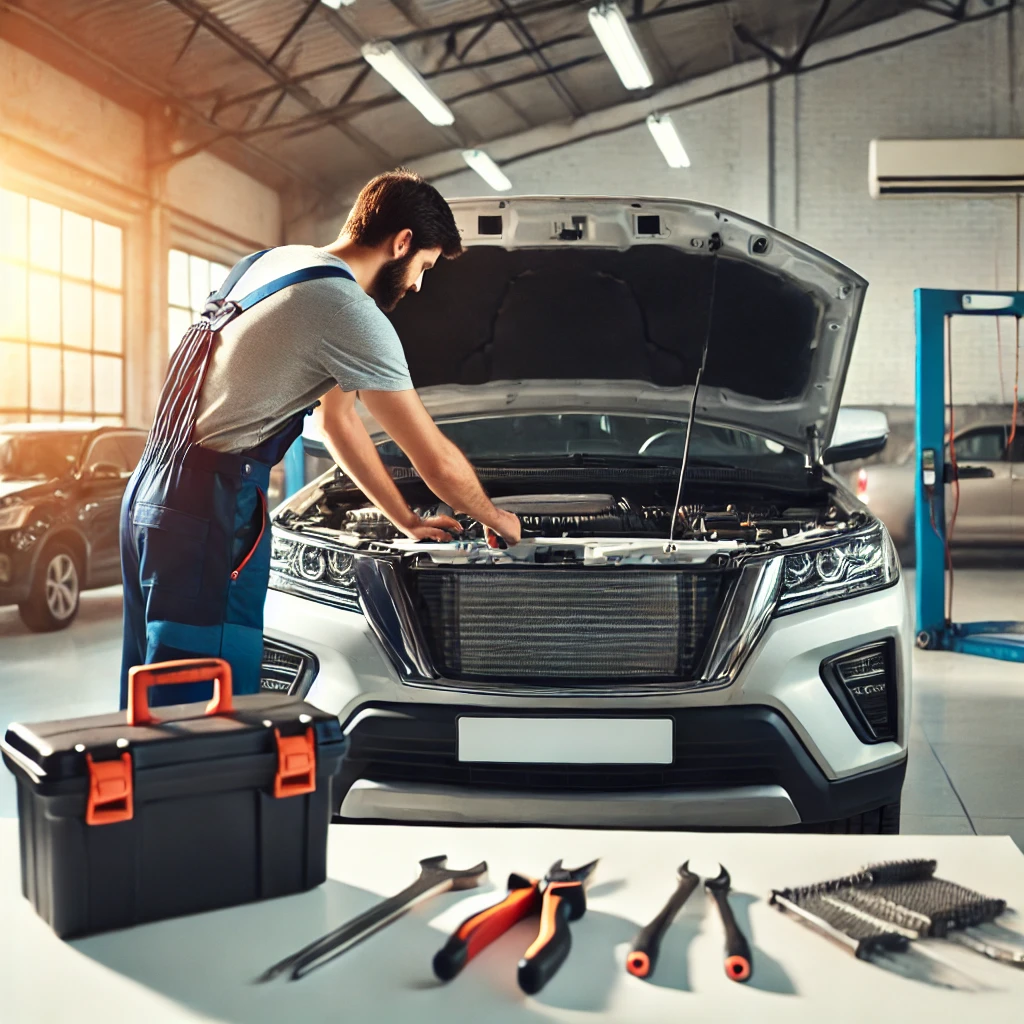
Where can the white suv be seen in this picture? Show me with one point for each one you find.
(737, 657)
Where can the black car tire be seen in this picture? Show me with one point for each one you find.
(881, 821)
(53, 601)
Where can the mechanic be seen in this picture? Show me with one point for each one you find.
(195, 548)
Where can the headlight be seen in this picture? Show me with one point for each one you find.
(312, 570)
(14, 517)
(849, 568)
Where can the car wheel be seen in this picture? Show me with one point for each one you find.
(53, 602)
(881, 821)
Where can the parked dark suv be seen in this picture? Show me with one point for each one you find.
(60, 499)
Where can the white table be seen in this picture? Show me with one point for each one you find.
(201, 968)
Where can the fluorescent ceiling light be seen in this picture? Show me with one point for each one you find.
(335, 4)
(667, 138)
(480, 162)
(390, 63)
(612, 31)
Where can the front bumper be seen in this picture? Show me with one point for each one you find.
(818, 761)
(16, 567)
(738, 767)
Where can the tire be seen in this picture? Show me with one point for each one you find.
(881, 821)
(56, 589)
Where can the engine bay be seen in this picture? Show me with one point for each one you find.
(634, 511)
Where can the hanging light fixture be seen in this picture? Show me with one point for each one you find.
(667, 138)
(612, 31)
(390, 63)
(335, 4)
(480, 162)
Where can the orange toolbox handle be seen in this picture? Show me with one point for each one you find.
(164, 673)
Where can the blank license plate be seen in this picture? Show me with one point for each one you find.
(566, 740)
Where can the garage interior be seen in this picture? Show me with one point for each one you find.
(147, 147)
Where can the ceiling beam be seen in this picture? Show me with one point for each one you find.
(525, 145)
(517, 26)
(243, 48)
(89, 58)
(409, 12)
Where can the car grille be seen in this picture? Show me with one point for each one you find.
(563, 624)
(285, 669)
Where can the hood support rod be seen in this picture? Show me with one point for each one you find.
(714, 243)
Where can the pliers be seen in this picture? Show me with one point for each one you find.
(559, 897)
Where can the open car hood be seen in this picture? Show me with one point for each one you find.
(585, 304)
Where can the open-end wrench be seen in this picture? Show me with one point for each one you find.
(643, 954)
(738, 963)
(435, 878)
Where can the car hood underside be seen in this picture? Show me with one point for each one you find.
(549, 318)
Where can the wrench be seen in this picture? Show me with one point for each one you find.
(435, 878)
(644, 953)
(738, 963)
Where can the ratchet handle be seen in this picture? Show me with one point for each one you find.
(643, 955)
(477, 932)
(738, 963)
(563, 902)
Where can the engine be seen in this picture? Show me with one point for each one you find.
(609, 515)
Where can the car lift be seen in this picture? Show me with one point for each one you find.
(1003, 640)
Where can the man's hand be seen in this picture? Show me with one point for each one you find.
(433, 528)
(439, 462)
(510, 530)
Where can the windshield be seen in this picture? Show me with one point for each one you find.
(560, 435)
(37, 456)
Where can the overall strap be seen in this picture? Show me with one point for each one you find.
(235, 276)
(295, 277)
(221, 311)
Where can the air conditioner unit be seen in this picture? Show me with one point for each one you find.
(921, 167)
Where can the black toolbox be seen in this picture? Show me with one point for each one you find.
(126, 819)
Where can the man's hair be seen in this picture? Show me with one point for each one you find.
(398, 200)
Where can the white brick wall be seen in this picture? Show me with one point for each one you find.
(952, 85)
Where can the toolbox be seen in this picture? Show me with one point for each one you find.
(133, 818)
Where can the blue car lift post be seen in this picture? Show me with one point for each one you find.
(1004, 640)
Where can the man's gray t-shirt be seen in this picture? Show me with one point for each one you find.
(281, 356)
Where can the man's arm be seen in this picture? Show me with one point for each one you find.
(439, 462)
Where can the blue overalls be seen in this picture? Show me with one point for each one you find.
(195, 547)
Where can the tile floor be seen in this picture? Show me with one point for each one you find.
(966, 767)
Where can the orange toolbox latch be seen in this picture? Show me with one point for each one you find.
(110, 791)
(296, 764)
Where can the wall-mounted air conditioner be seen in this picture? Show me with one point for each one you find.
(921, 167)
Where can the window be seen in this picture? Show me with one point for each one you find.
(107, 451)
(132, 446)
(987, 444)
(61, 314)
(190, 279)
(1017, 448)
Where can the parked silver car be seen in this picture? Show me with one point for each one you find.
(991, 510)
(737, 659)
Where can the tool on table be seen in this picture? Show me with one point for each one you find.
(738, 963)
(929, 907)
(435, 878)
(559, 897)
(643, 955)
(867, 914)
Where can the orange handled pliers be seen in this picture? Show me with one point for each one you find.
(559, 897)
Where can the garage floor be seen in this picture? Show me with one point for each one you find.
(967, 739)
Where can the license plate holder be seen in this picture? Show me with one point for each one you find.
(564, 740)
